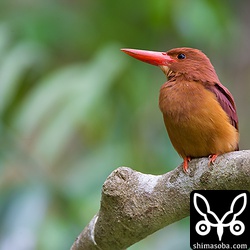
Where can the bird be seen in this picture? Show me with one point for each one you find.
(198, 111)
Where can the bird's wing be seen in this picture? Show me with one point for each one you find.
(226, 101)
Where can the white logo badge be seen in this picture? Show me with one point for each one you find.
(236, 227)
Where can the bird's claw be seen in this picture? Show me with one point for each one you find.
(212, 159)
(185, 164)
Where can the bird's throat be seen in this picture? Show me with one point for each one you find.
(167, 71)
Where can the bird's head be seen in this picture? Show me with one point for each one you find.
(187, 62)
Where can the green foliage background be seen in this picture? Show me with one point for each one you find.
(73, 107)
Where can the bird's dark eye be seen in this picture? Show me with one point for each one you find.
(181, 56)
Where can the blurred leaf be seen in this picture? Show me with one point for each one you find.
(22, 220)
(64, 99)
(14, 64)
(203, 22)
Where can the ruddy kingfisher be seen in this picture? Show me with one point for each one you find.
(198, 111)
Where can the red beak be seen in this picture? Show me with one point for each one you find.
(152, 57)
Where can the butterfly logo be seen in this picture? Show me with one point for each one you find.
(203, 227)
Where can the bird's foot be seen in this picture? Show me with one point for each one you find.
(185, 163)
(212, 159)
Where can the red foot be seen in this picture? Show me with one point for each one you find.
(185, 163)
(212, 159)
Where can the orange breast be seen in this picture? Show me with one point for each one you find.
(196, 123)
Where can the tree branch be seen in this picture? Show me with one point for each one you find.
(135, 205)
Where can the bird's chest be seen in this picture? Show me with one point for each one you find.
(182, 101)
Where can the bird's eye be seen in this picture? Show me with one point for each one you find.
(181, 56)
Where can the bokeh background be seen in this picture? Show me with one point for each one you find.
(73, 107)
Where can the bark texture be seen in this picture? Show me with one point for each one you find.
(135, 205)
